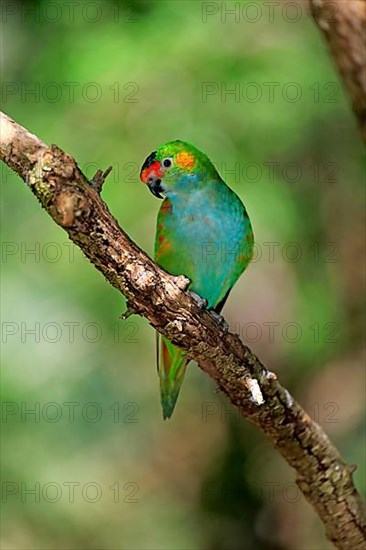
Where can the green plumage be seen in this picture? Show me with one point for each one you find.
(203, 231)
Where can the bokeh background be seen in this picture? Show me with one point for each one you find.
(94, 465)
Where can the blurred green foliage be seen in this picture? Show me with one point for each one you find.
(111, 82)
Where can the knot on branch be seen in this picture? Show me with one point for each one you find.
(70, 205)
(59, 164)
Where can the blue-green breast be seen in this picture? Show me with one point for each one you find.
(205, 234)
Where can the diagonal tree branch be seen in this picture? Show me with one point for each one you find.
(343, 24)
(75, 204)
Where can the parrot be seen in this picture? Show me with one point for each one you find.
(203, 232)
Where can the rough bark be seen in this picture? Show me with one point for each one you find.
(343, 24)
(74, 203)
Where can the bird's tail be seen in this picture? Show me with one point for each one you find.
(172, 364)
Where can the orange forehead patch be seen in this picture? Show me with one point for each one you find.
(184, 159)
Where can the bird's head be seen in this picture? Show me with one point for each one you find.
(176, 165)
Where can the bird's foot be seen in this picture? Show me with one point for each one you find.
(199, 301)
(202, 304)
(219, 319)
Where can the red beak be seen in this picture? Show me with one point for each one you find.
(151, 174)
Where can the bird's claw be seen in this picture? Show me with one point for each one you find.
(219, 319)
(201, 302)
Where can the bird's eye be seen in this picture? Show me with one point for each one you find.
(167, 162)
